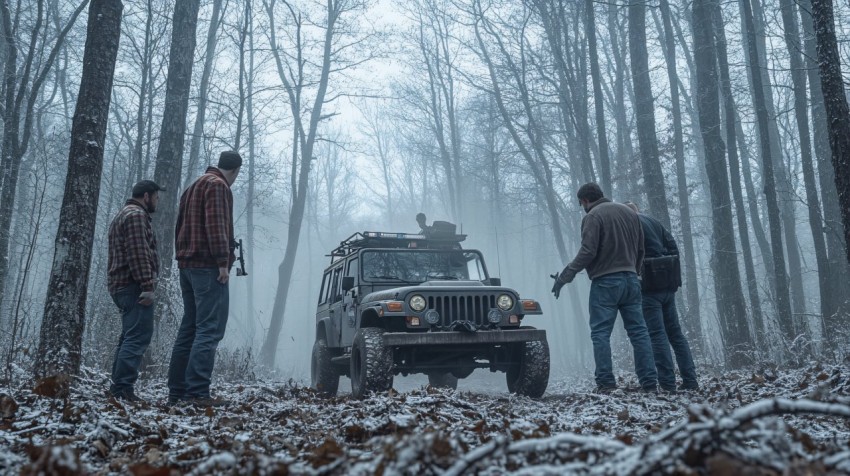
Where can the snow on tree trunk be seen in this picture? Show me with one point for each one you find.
(59, 350)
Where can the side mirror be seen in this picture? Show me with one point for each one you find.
(495, 281)
(347, 283)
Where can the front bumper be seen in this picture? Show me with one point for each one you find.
(403, 339)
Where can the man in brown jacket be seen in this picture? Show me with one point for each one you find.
(612, 253)
(203, 235)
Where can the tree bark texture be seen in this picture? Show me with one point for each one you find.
(724, 259)
(645, 115)
(785, 195)
(735, 172)
(601, 133)
(203, 92)
(838, 118)
(781, 291)
(169, 154)
(692, 315)
(59, 350)
(839, 270)
(801, 108)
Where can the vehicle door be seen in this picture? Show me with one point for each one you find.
(323, 310)
(335, 299)
(348, 326)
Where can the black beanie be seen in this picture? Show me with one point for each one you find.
(229, 160)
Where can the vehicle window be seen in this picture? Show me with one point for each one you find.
(336, 293)
(352, 268)
(323, 293)
(416, 266)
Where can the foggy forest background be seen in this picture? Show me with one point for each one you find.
(354, 115)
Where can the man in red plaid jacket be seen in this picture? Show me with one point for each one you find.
(131, 279)
(203, 235)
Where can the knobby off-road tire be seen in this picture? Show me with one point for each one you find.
(531, 376)
(324, 375)
(371, 363)
(442, 380)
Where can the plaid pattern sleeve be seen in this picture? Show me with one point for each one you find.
(218, 223)
(205, 223)
(140, 247)
(133, 256)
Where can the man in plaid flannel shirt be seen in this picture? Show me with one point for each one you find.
(131, 279)
(203, 235)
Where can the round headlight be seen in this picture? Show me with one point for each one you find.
(432, 317)
(505, 302)
(417, 303)
(494, 316)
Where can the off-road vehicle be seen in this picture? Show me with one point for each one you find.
(399, 303)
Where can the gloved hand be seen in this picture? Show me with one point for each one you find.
(146, 298)
(556, 288)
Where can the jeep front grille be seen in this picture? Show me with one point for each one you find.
(462, 307)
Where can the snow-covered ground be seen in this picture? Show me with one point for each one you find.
(767, 421)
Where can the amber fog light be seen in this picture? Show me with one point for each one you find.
(514, 319)
(412, 321)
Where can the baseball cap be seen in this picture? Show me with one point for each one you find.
(146, 186)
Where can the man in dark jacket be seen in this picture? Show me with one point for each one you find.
(612, 253)
(204, 234)
(131, 279)
(659, 306)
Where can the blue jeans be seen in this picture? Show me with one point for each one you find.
(608, 294)
(659, 310)
(205, 309)
(136, 333)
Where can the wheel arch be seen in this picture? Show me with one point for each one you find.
(369, 318)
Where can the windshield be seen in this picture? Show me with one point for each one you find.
(417, 266)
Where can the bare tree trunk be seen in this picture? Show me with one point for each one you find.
(169, 154)
(571, 107)
(436, 60)
(798, 76)
(645, 115)
(601, 134)
(839, 272)
(240, 111)
(753, 205)
(147, 53)
(307, 141)
(735, 172)
(203, 92)
(252, 165)
(838, 119)
(783, 304)
(16, 136)
(625, 150)
(692, 315)
(786, 197)
(724, 262)
(59, 350)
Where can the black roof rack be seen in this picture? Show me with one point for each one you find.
(383, 239)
